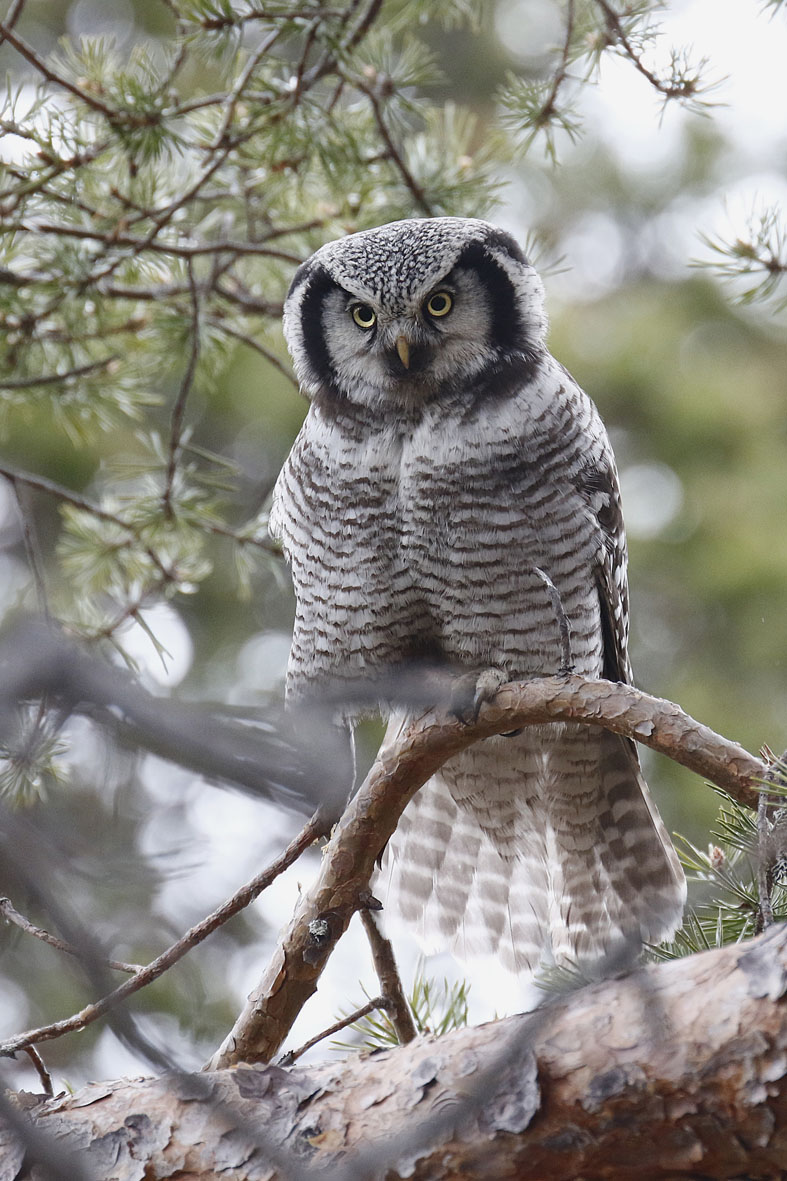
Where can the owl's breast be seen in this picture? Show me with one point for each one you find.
(336, 510)
(482, 516)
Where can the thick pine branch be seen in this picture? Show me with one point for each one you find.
(676, 1070)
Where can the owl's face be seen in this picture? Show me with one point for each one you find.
(412, 310)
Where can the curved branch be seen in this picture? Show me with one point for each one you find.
(368, 823)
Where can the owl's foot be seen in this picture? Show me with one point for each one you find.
(469, 691)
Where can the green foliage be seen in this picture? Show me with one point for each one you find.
(760, 254)
(154, 207)
(436, 1007)
(31, 761)
(741, 862)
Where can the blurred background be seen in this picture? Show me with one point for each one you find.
(690, 380)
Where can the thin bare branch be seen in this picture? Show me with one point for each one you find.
(24, 383)
(364, 25)
(687, 88)
(9, 912)
(231, 100)
(13, 15)
(390, 981)
(151, 242)
(50, 488)
(394, 154)
(311, 831)
(243, 338)
(32, 548)
(41, 1070)
(292, 1056)
(561, 73)
(267, 544)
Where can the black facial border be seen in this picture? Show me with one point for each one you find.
(318, 285)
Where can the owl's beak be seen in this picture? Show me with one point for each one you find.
(403, 349)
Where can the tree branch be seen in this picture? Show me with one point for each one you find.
(179, 409)
(371, 817)
(9, 912)
(292, 1056)
(674, 1070)
(390, 981)
(313, 829)
(394, 154)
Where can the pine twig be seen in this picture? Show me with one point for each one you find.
(394, 155)
(24, 383)
(561, 73)
(764, 874)
(179, 409)
(32, 548)
(57, 79)
(769, 842)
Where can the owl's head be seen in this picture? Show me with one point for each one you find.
(413, 309)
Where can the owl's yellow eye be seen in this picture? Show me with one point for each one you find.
(364, 316)
(439, 304)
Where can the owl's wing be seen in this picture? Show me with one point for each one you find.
(598, 484)
(644, 871)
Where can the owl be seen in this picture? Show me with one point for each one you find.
(446, 464)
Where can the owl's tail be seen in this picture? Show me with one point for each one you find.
(544, 848)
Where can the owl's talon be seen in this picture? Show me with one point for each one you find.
(471, 690)
(367, 901)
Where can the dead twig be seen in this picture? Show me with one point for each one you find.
(379, 1002)
(8, 911)
(396, 1005)
(310, 832)
(41, 1070)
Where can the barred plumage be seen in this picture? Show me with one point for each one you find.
(446, 459)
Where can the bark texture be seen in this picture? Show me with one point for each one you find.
(370, 819)
(674, 1071)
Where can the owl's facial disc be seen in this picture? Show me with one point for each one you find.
(414, 311)
(406, 349)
